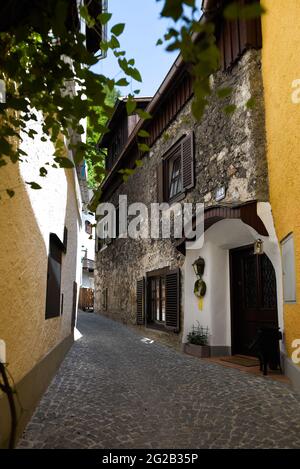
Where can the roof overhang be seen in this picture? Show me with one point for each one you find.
(246, 212)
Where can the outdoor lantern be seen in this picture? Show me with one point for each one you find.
(198, 266)
(258, 247)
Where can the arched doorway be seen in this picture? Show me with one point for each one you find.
(253, 296)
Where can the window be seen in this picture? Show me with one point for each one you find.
(288, 267)
(53, 293)
(175, 177)
(175, 173)
(158, 299)
(157, 286)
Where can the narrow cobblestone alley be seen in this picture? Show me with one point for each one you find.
(115, 391)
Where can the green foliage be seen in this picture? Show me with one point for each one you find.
(47, 68)
(199, 335)
(95, 157)
(130, 105)
(118, 29)
(143, 133)
(33, 185)
(246, 12)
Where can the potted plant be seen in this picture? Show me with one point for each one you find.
(197, 342)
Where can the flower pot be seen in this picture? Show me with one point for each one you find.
(200, 351)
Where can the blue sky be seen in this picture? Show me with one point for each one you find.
(143, 27)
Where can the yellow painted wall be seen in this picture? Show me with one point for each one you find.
(25, 223)
(281, 66)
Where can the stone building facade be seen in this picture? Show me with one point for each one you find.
(235, 159)
(228, 154)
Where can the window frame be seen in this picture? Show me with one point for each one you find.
(154, 276)
(54, 298)
(176, 151)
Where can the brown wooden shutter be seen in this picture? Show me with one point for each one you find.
(187, 162)
(173, 300)
(140, 301)
(160, 182)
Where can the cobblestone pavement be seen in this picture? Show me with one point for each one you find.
(115, 391)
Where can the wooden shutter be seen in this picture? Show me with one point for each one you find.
(65, 242)
(173, 300)
(160, 182)
(187, 162)
(140, 301)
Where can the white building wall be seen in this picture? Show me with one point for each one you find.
(218, 240)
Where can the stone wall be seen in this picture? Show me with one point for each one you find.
(229, 150)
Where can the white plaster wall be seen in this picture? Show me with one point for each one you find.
(218, 239)
(87, 243)
(216, 308)
(56, 205)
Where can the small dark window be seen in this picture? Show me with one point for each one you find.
(175, 173)
(158, 299)
(53, 294)
(175, 177)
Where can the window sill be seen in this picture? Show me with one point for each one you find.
(157, 327)
(176, 199)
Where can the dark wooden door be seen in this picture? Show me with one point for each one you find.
(253, 297)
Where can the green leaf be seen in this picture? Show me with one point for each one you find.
(232, 11)
(10, 192)
(64, 162)
(143, 114)
(43, 172)
(245, 12)
(117, 29)
(138, 163)
(143, 147)
(104, 18)
(33, 185)
(114, 43)
(255, 10)
(122, 82)
(130, 106)
(143, 133)
(131, 62)
(135, 74)
(159, 42)
(172, 9)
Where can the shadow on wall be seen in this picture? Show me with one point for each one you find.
(23, 262)
(35, 347)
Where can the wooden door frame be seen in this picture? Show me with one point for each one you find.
(232, 319)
